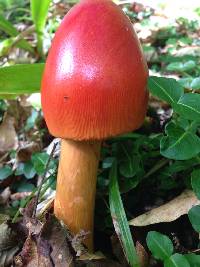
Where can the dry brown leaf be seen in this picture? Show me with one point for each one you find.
(5, 195)
(169, 211)
(8, 136)
(142, 255)
(57, 239)
(35, 253)
(46, 243)
(25, 152)
(8, 242)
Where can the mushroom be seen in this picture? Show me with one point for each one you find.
(94, 87)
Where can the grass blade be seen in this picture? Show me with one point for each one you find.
(21, 79)
(39, 11)
(8, 28)
(119, 219)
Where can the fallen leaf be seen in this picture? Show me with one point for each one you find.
(5, 195)
(57, 239)
(168, 212)
(8, 242)
(35, 253)
(8, 136)
(46, 241)
(19, 195)
(25, 152)
(142, 255)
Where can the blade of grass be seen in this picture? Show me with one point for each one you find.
(8, 28)
(39, 11)
(21, 79)
(119, 219)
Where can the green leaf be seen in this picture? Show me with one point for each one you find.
(181, 67)
(5, 172)
(177, 260)
(188, 106)
(39, 11)
(193, 259)
(29, 170)
(195, 180)
(23, 186)
(194, 217)
(21, 79)
(195, 84)
(179, 144)
(186, 82)
(8, 28)
(119, 219)
(130, 166)
(160, 245)
(39, 161)
(107, 162)
(167, 89)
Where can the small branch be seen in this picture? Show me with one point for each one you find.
(42, 180)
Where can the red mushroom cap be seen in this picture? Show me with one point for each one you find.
(95, 80)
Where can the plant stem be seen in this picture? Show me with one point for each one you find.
(43, 178)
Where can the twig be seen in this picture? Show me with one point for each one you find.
(23, 34)
(42, 180)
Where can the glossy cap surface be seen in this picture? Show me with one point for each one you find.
(95, 80)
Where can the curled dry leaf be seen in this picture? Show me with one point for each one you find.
(168, 212)
(8, 136)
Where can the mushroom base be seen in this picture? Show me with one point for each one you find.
(76, 187)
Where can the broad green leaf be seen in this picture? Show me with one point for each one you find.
(24, 186)
(179, 144)
(193, 259)
(39, 11)
(39, 161)
(189, 82)
(186, 82)
(188, 106)
(177, 260)
(181, 67)
(21, 79)
(195, 84)
(8, 28)
(160, 245)
(29, 170)
(119, 219)
(5, 172)
(195, 180)
(167, 89)
(194, 217)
